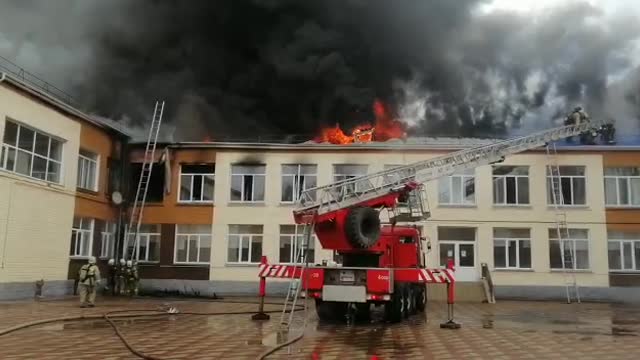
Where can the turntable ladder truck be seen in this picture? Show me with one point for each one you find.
(382, 264)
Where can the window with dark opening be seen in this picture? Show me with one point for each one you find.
(155, 192)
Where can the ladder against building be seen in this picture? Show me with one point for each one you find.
(135, 220)
(346, 193)
(566, 249)
(295, 286)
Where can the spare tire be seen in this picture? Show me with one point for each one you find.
(362, 227)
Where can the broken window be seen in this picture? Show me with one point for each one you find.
(155, 193)
(247, 183)
(296, 179)
(572, 185)
(457, 189)
(511, 185)
(197, 183)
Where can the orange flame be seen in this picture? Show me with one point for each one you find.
(386, 127)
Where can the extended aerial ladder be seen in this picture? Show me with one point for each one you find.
(344, 194)
(135, 221)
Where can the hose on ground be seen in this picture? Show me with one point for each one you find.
(110, 316)
(280, 346)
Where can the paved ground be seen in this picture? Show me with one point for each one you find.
(507, 330)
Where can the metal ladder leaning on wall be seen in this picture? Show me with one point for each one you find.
(562, 232)
(295, 283)
(133, 227)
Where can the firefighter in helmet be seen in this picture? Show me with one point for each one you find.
(112, 277)
(131, 278)
(89, 278)
(122, 283)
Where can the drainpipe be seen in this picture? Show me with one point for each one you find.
(6, 227)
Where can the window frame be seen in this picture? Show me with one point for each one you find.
(503, 179)
(617, 179)
(518, 241)
(295, 197)
(240, 241)
(342, 177)
(5, 147)
(80, 231)
(463, 177)
(192, 175)
(573, 241)
(571, 178)
(148, 239)
(635, 262)
(96, 164)
(108, 237)
(253, 187)
(299, 237)
(189, 235)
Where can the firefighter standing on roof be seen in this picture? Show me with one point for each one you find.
(89, 277)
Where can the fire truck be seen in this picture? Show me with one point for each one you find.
(383, 261)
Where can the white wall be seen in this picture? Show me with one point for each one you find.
(485, 216)
(35, 216)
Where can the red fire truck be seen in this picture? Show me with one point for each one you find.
(383, 264)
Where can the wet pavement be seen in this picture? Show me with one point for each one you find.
(506, 330)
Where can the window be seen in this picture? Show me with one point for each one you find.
(457, 189)
(296, 179)
(87, 170)
(345, 172)
(572, 188)
(398, 175)
(156, 183)
(622, 186)
(193, 244)
(291, 239)
(511, 248)
(572, 252)
(245, 244)
(107, 242)
(148, 249)
(624, 251)
(511, 185)
(81, 237)
(31, 153)
(247, 183)
(197, 183)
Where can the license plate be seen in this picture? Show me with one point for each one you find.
(347, 276)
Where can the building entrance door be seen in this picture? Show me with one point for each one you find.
(463, 254)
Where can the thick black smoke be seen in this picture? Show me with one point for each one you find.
(242, 67)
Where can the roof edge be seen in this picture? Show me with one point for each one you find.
(55, 102)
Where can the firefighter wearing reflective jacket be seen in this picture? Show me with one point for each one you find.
(89, 277)
(578, 116)
(120, 274)
(131, 277)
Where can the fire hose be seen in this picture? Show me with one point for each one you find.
(110, 316)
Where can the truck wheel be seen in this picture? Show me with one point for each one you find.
(330, 311)
(409, 301)
(394, 308)
(421, 300)
(362, 227)
(363, 312)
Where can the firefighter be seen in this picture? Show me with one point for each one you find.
(89, 278)
(122, 283)
(578, 116)
(131, 278)
(112, 277)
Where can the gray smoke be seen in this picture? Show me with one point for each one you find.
(284, 66)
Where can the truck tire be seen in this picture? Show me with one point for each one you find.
(394, 309)
(362, 227)
(330, 310)
(409, 302)
(421, 298)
